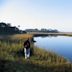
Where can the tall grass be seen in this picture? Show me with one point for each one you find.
(11, 53)
(10, 45)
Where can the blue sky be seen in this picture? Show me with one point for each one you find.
(55, 14)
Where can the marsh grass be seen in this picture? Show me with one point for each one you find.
(12, 57)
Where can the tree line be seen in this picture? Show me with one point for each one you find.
(6, 28)
(43, 30)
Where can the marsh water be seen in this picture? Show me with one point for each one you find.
(62, 45)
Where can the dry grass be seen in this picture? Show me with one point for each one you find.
(21, 36)
(12, 57)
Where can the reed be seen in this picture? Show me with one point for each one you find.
(12, 57)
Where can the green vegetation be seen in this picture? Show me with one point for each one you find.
(12, 57)
(7, 29)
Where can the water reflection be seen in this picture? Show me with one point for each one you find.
(59, 44)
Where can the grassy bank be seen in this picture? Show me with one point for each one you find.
(12, 57)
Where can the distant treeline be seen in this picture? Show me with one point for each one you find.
(43, 30)
(8, 29)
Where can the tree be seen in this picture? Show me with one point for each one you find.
(9, 25)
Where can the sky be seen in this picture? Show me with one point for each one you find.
(49, 14)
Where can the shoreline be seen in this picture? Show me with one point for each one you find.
(46, 33)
